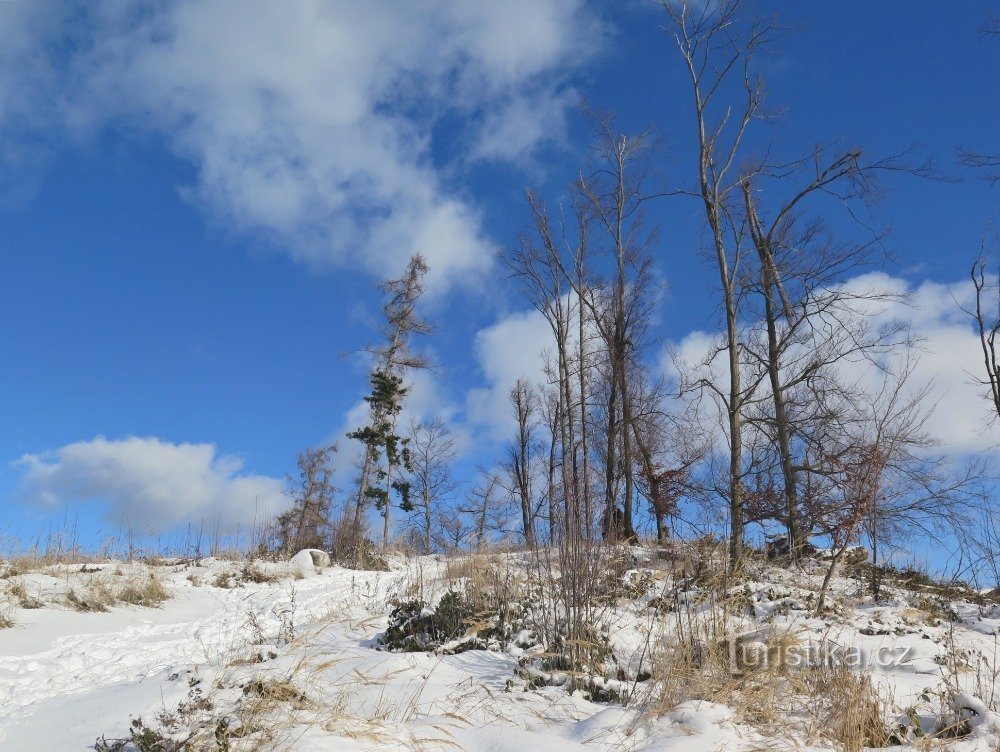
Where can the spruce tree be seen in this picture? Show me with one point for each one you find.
(385, 451)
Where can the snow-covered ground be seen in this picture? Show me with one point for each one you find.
(274, 657)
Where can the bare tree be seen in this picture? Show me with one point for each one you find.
(453, 530)
(484, 504)
(432, 453)
(861, 477)
(811, 321)
(987, 317)
(878, 456)
(612, 195)
(611, 311)
(550, 409)
(986, 163)
(668, 449)
(520, 460)
(307, 523)
(719, 43)
(536, 264)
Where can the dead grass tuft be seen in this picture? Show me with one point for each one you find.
(846, 709)
(99, 595)
(148, 592)
(95, 597)
(21, 596)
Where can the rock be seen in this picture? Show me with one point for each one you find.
(311, 557)
(970, 708)
(855, 556)
(778, 548)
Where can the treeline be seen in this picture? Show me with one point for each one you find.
(801, 417)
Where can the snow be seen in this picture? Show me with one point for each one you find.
(308, 560)
(310, 638)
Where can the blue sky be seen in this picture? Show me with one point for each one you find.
(196, 200)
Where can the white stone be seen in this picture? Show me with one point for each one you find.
(311, 558)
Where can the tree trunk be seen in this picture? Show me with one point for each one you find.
(771, 284)
(587, 512)
(388, 506)
(821, 602)
(609, 467)
(427, 519)
(628, 531)
(553, 442)
(567, 429)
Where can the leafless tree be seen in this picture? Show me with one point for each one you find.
(452, 530)
(537, 265)
(550, 408)
(987, 164)
(432, 453)
(487, 508)
(876, 452)
(603, 325)
(765, 216)
(669, 447)
(810, 319)
(521, 457)
(718, 43)
(612, 196)
(307, 523)
(986, 315)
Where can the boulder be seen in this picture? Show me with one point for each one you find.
(311, 557)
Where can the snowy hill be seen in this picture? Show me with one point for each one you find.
(268, 656)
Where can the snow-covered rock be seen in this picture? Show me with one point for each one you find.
(309, 558)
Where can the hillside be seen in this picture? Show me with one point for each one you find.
(229, 655)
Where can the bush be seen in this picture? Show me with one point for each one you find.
(415, 628)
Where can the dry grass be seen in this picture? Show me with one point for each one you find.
(101, 593)
(705, 653)
(21, 596)
(97, 596)
(37, 560)
(755, 677)
(148, 591)
(716, 664)
(19, 566)
(225, 580)
(846, 709)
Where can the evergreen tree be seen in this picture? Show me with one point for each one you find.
(386, 452)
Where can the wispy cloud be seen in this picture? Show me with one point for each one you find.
(310, 122)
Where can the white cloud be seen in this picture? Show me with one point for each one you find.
(311, 121)
(950, 359)
(947, 357)
(506, 351)
(150, 484)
